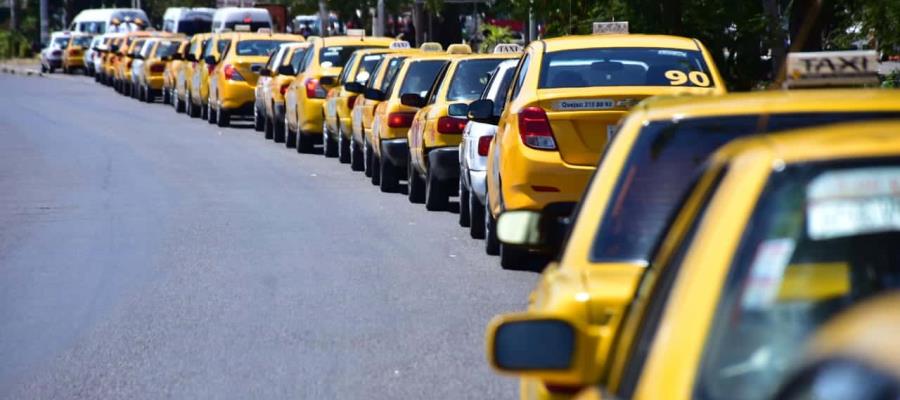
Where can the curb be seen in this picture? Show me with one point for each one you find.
(20, 71)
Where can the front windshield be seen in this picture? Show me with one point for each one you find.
(470, 78)
(624, 67)
(660, 167)
(823, 237)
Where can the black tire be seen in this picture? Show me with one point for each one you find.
(416, 192)
(343, 147)
(389, 176)
(367, 154)
(43, 68)
(177, 104)
(436, 196)
(491, 243)
(167, 96)
(204, 112)
(464, 220)
(223, 118)
(329, 145)
(52, 69)
(259, 121)
(290, 140)
(305, 143)
(376, 170)
(514, 258)
(268, 128)
(476, 216)
(278, 131)
(192, 110)
(148, 95)
(357, 159)
(210, 114)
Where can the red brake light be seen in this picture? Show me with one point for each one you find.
(451, 124)
(157, 68)
(128, 64)
(313, 89)
(534, 129)
(210, 68)
(400, 119)
(284, 88)
(231, 73)
(248, 20)
(484, 144)
(74, 52)
(351, 101)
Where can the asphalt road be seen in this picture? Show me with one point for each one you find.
(147, 255)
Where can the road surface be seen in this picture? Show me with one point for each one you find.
(147, 255)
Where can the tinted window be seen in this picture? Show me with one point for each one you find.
(297, 58)
(61, 42)
(222, 46)
(390, 76)
(207, 47)
(503, 82)
(337, 56)
(520, 77)
(346, 71)
(83, 41)
(470, 78)
(623, 67)
(257, 47)
(367, 67)
(420, 76)
(254, 26)
(165, 49)
(193, 26)
(660, 167)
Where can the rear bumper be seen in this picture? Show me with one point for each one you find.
(444, 163)
(241, 109)
(396, 151)
(155, 82)
(531, 179)
(235, 94)
(311, 117)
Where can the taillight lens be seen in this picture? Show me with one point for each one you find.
(284, 88)
(400, 119)
(231, 73)
(534, 128)
(210, 68)
(351, 101)
(157, 68)
(74, 52)
(451, 125)
(484, 144)
(313, 89)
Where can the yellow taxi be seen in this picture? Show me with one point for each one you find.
(274, 79)
(340, 100)
(232, 83)
(151, 75)
(854, 356)
(777, 233)
(181, 100)
(73, 55)
(320, 68)
(436, 130)
(170, 75)
(212, 51)
(392, 119)
(130, 45)
(111, 58)
(567, 97)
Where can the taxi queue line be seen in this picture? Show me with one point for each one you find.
(774, 194)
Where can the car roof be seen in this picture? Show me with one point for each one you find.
(264, 36)
(630, 40)
(350, 40)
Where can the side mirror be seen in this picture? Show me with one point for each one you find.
(210, 60)
(553, 348)
(265, 72)
(191, 57)
(482, 111)
(545, 231)
(328, 80)
(374, 94)
(286, 70)
(354, 87)
(255, 68)
(458, 109)
(412, 100)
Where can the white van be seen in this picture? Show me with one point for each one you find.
(104, 20)
(254, 18)
(188, 20)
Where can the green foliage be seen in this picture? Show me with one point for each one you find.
(14, 45)
(892, 80)
(495, 35)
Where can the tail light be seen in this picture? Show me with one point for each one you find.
(231, 73)
(128, 64)
(484, 144)
(74, 52)
(313, 89)
(157, 68)
(534, 128)
(351, 101)
(284, 88)
(451, 124)
(400, 119)
(210, 68)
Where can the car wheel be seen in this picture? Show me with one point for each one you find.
(416, 192)
(389, 176)
(367, 158)
(436, 196)
(491, 243)
(43, 68)
(356, 156)
(290, 137)
(329, 145)
(376, 170)
(268, 128)
(210, 113)
(223, 117)
(476, 216)
(304, 143)
(177, 104)
(464, 220)
(204, 112)
(52, 69)
(514, 258)
(259, 123)
(343, 147)
(167, 96)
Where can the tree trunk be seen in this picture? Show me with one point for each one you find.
(777, 37)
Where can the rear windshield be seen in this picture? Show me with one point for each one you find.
(624, 67)
(258, 47)
(165, 49)
(254, 26)
(193, 26)
(337, 56)
(390, 76)
(661, 166)
(297, 58)
(83, 41)
(470, 78)
(420, 76)
(61, 42)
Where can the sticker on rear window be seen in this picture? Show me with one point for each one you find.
(766, 273)
(853, 202)
(574, 105)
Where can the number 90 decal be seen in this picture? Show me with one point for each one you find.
(678, 78)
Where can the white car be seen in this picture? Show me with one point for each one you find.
(473, 152)
(51, 56)
(251, 19)
(91, 54)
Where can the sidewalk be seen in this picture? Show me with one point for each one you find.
(21, 66)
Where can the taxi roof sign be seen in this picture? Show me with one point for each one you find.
(264, 30)
(610, 28)
(507, 48)
(831, 68)
(459, 48)
(242, 28)
(431, 46)
(356, 32)
(400, 44)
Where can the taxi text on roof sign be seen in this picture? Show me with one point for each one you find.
(832, 68)
(400, 44)
(356, 32)
(507, 48)
(611, 28)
